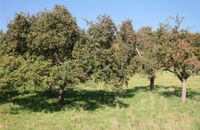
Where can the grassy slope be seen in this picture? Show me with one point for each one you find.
(95, 108)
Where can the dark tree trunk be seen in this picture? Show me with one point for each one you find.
(61, 95)
(183, 94)
(152, 79)
(50, 88)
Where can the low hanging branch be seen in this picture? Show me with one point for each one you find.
(138, 52)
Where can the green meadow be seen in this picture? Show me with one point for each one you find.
(93, 106)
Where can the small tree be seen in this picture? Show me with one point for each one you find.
(177, 53)
(147, 42)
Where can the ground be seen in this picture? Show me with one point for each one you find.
(95, 107)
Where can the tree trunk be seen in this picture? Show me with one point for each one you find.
(50, 88)
(61, 95)
(152, 79)
(183, 94)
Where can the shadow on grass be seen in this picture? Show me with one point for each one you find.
(176, 91)
(74, 99)
(88, 100)
(169, 91)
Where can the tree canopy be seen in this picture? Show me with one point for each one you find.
(48, 50)
(53, 34)
(177, 53)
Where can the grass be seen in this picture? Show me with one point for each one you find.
(95, 107)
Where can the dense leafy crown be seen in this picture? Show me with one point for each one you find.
(53, 34)
(102, 32)
(16, 36)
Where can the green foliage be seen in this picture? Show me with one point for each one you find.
(67, 74)
(126, 51)
(15, 41)
(148, 47)
(127, 34)
(41, 46)
(108, 69)
(97, 57)
(197, 45)
(177, 53)
(1, 36)
(100, 64)
(49, 50)
(24, 74)
(84, 53)
(102, 32)
(53, 34)
(2, 45)
(8, 67)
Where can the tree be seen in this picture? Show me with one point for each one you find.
(102, 32)
(147, 42)
(106, 67)
(65, 76)
(127, 51)
(99, 38)
(84, 53)
(53, 34)
(177, 53)
(127, 38)
(97, 55)
(127, 34)
(15, 40)
(48, 39)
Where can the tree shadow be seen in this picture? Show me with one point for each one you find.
(172, 91)
(130, 92)
(74, 99)
(6, 96)
(166, 91)
(89, 100)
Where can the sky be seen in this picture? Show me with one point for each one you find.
(141, 12)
